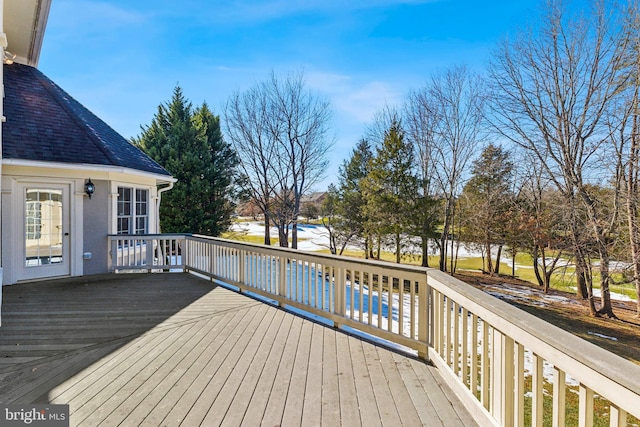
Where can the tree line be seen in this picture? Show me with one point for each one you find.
(538, 154)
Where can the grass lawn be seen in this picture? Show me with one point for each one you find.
(244, 237)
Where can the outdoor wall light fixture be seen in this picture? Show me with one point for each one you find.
(89, 188)
(8, 57)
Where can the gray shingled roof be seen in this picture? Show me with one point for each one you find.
(44, 123)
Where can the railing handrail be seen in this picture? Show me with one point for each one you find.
(296, 253)
(152, 235)
(585, 361)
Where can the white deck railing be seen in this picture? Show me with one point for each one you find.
(146, 252)
(496, 357)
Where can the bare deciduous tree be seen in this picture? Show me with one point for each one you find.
(629, 145)
(555, 86)
(420, 118)
(459, 98)
(298, 121)
(245, 115)
(539, 208)
(280, 130)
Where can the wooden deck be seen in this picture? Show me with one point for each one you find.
(172, 349)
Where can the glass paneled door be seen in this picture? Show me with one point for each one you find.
(45, 232)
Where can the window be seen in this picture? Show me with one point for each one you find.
(141, 211)
(133, 211)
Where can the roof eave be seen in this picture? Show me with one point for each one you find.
(40, 25)
(160, 179)
(24, 24)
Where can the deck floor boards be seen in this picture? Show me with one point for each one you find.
(173, 349)
(292, 412)
(369, 414)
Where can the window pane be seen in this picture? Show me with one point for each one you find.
(141, 202)
(141, 225)
(123, 225)
(124, 201)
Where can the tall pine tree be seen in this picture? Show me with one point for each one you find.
(390, 189)
(189, 144)
(351, 201)
(488, 197)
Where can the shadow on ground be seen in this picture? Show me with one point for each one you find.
(52, 330)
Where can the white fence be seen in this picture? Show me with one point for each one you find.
(496, 357)
(146, 252)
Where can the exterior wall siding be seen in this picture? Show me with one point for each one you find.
(96, 212)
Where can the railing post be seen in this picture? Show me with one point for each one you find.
(282, 277)
(113, 264)
(455, 341)
(484, 366)
(464, 344)
(439, 335)
(585, 407)
(424, 315)
(340, 300)
(241, 266)
(519, 389)
(537, 388)
(617, 417)
(187, 256)
(559, 397)
(160, 250)
(502, 378)
(215, 253)
(475, 355)
(148, 249)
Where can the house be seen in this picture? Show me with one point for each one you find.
(311, 204)
(68, 180)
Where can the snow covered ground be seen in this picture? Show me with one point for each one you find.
(310, 237)
(314, 238)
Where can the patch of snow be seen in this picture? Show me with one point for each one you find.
(602, 336)
(510, 293)
(614, 295)
(615, 266)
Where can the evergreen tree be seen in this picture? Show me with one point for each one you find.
(189, 144)
(390, 189)
(351, 201)
(488, 198)
(331, 220)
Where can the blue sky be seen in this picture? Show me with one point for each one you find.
(122, 58)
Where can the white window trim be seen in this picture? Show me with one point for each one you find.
(133, 208)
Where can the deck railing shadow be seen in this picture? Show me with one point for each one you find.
(54, 329)
(506, 365)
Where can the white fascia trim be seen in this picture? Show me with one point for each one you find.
(39, 27)
(89, 168)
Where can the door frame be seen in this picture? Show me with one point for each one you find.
(13, 224)
(48, 270)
